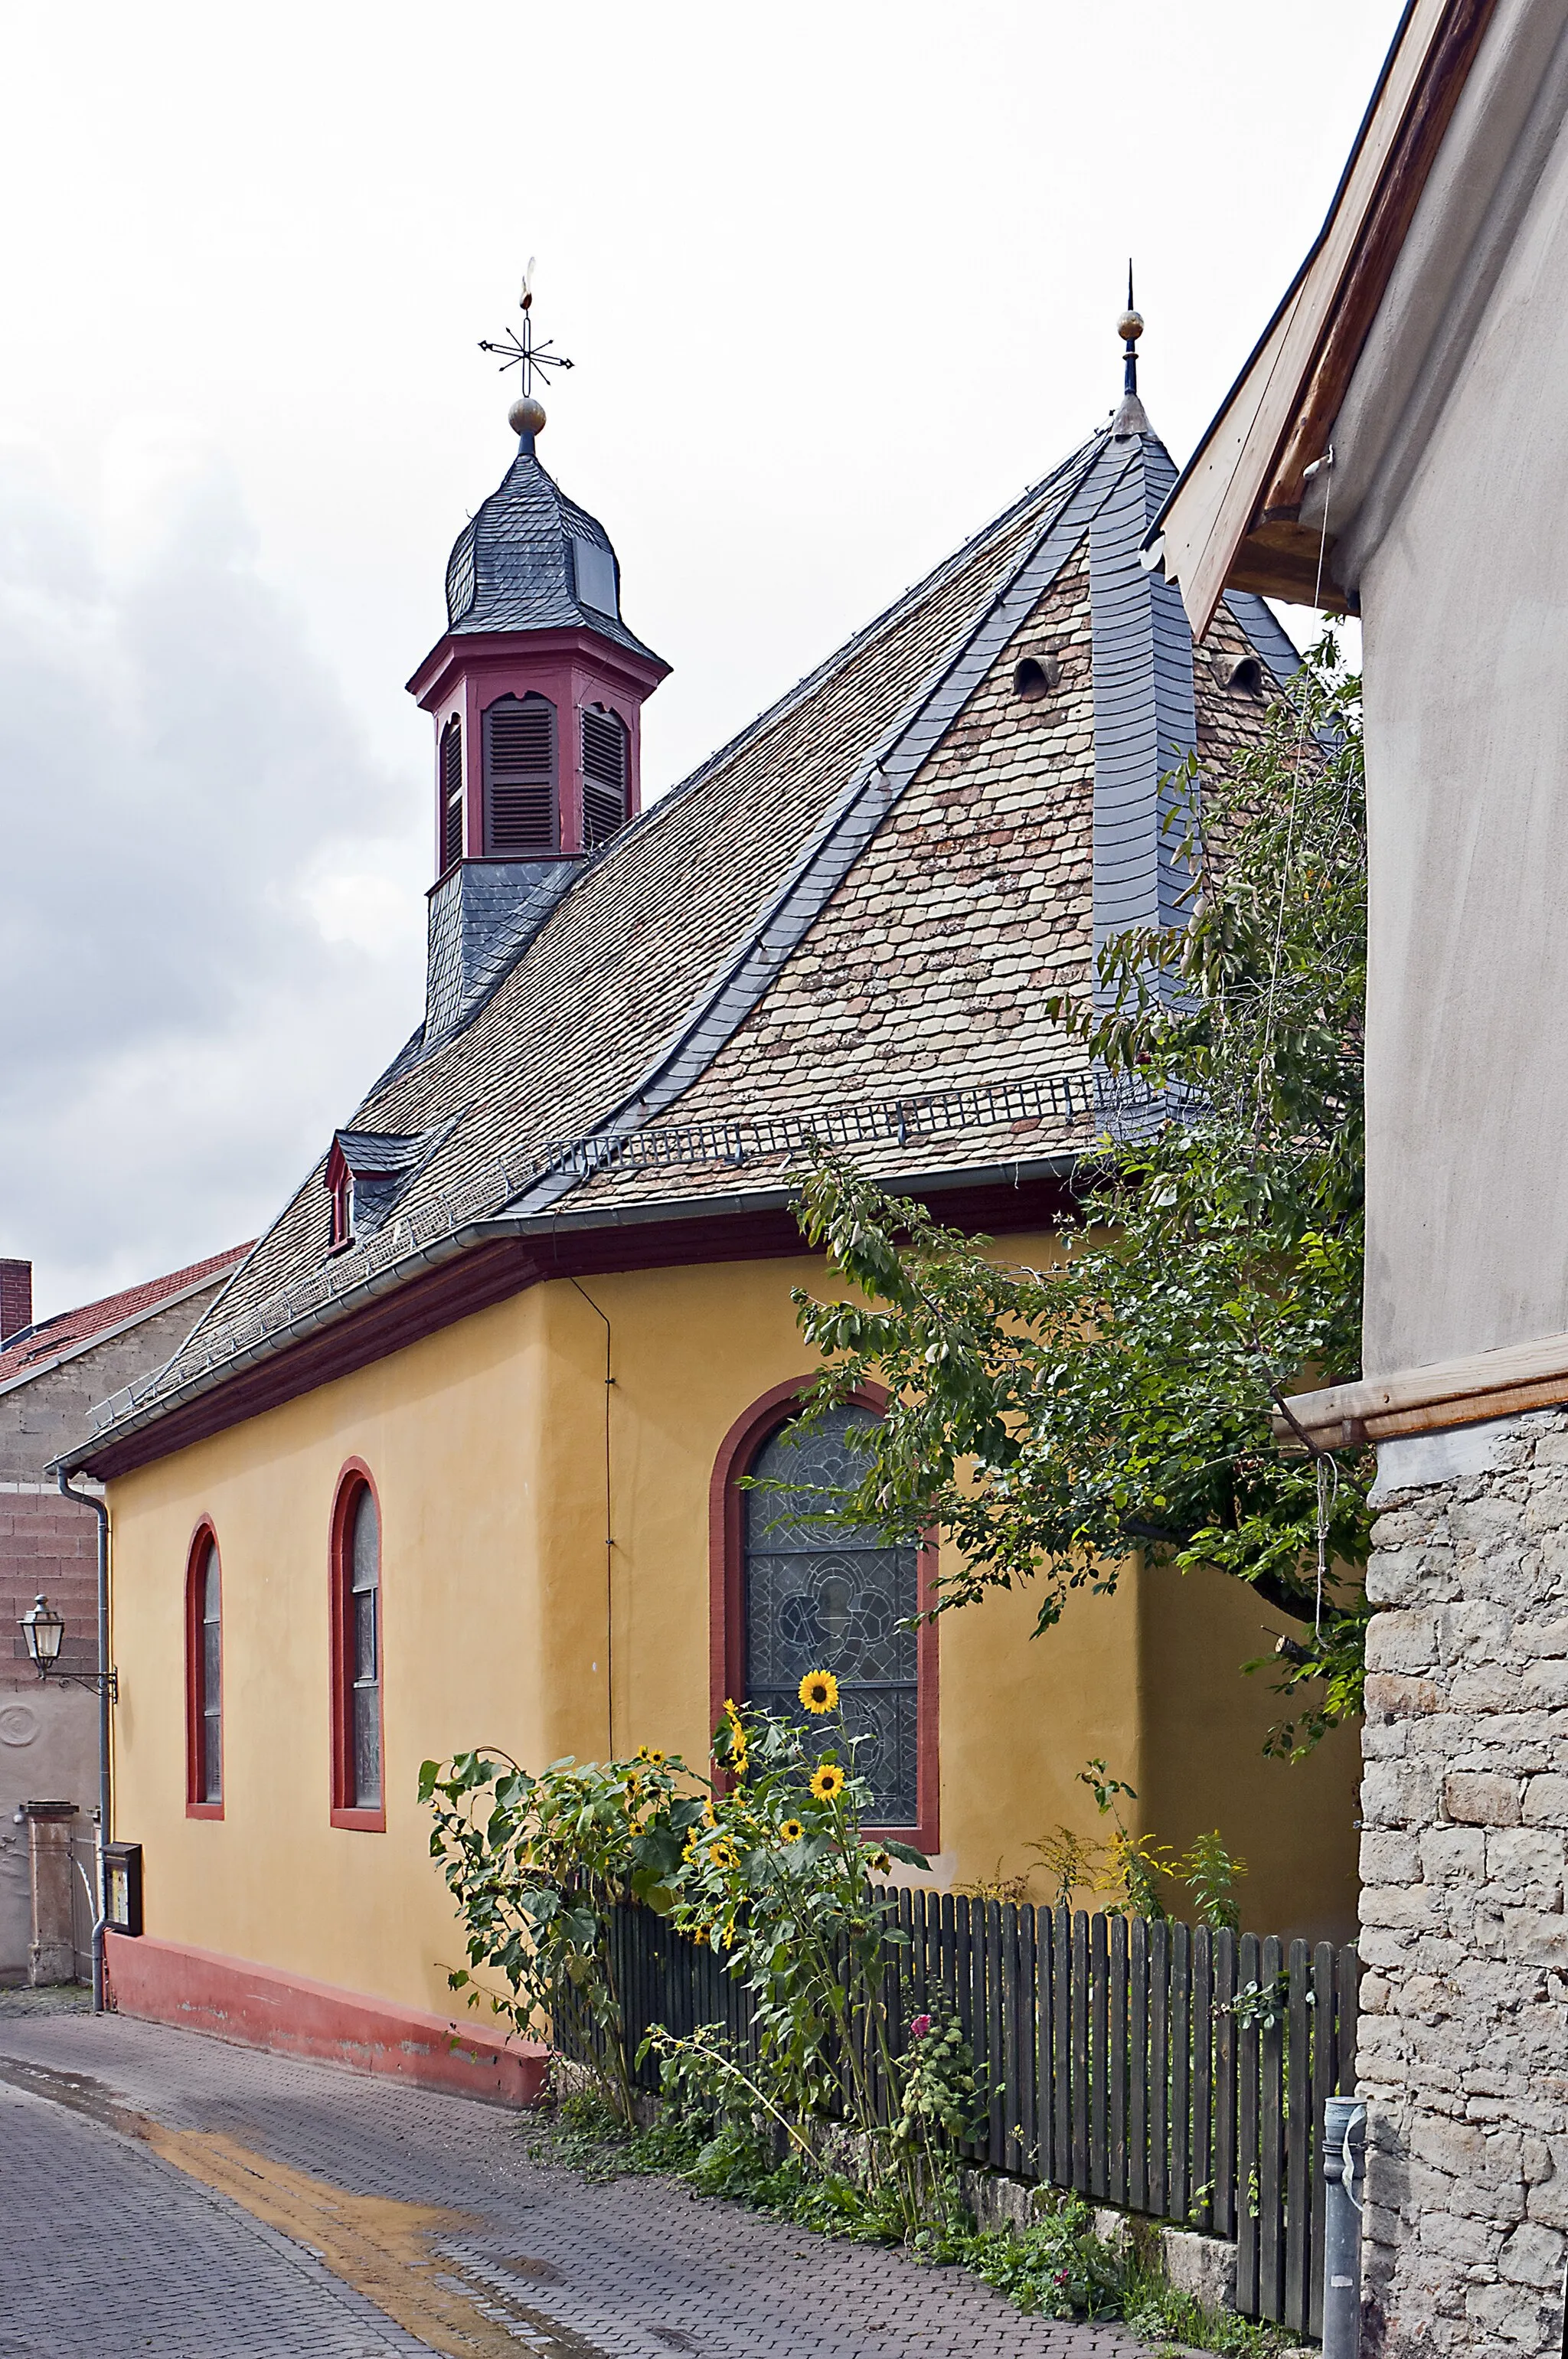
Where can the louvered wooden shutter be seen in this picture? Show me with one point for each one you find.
(451, 793)
(519, 777)
(603, 776)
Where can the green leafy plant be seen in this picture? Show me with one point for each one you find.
(1130, 1871)
(1210, 1874)
(777, 1879)
(997, 1887)
(1057, 2266)
(1071, 1863)
(1259, 2006)
(1103, 1786)
(1056, 1421)
(537, 1865)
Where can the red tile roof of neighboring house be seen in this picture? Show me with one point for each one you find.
(68, 1330)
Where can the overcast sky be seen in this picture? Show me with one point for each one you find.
(838, 280)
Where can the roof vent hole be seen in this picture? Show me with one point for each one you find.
(1244, 673)
(1035, 677)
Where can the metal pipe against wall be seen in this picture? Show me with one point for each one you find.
(609, 1535)
(85, 1499)
(1343, 2164)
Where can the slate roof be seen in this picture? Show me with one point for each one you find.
(50, 1341)
(515, 565)
(843, 923)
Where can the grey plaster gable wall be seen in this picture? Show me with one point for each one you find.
(1464, 602)
(40, 1419)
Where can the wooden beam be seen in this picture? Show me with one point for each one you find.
(1282, 561)
(1376, 251)
(1469, 1391)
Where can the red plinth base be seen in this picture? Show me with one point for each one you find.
(261, 2006)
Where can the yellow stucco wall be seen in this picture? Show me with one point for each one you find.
(487, 1445)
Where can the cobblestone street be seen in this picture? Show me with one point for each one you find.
(163, 2192)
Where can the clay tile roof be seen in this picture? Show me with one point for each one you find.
(49, 1339)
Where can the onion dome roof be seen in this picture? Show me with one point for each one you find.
(531, 559)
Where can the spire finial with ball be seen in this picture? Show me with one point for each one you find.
(526, 415)
(1130, 417)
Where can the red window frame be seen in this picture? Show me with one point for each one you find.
(727, 1596)
(339, 1182)
(204, 1539)
(451, 797)
(354, 1478)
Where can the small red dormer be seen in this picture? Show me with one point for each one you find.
(365, 1171)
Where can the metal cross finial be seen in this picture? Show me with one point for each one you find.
(522, 352)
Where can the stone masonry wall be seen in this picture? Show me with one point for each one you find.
(1463, 2042)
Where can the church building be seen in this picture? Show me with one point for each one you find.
(456, 1456)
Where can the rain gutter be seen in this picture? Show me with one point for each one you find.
(534, 1228)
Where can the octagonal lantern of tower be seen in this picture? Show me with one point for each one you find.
(537, 686)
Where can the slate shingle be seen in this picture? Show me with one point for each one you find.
(861, 899)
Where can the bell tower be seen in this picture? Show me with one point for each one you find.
(535, 691)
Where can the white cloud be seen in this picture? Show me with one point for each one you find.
(211, 935)
(838, 280)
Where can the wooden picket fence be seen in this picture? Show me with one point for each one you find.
(1158, 2068)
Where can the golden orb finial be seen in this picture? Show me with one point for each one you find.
(526, 415)
(1129, 327)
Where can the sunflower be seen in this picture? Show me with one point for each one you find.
(881, 1864)
(828, 1781)
(818, 1692)
(791, 1830)
(652, 1755)
(724, 1855)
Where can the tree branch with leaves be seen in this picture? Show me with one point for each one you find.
(1057, 1422)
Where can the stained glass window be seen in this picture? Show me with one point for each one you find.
(364, 1657)
(210, 1677)
(833, 1596)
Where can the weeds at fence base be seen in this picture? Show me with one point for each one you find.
(1055, 2268)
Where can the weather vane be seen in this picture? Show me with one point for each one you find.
(527, 414)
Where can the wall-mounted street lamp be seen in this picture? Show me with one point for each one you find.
(43, 1630)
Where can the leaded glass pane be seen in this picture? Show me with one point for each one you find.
(366, 1554)
(365, 1637)
(366, 1748)
(831, 1596)
(365, 1577)
(211, 1777)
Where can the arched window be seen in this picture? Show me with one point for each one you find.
(817, 1596)
(357, 1799)
(204, 1678)
(451, 794)
(603, 775)
(519, 777)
